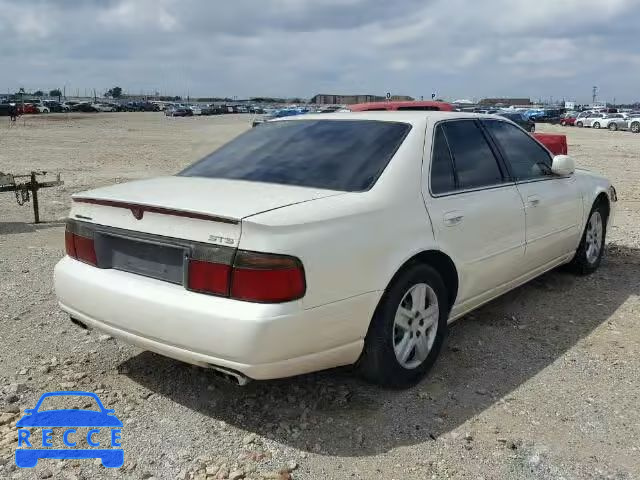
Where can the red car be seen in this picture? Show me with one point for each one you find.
(26, 108)
(568, 121)
(363, 107)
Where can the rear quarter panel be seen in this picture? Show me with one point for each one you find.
(354, 243)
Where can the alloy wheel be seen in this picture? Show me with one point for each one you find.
(593, 238)
(415, 325)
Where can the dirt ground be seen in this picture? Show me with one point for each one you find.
(543, 383)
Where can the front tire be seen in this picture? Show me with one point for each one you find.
(613, 127)
(579, 124)
(596, 125)
(407, 330)
(591, 249)
(635, 127)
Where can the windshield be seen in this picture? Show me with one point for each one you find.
(345, 155)
(69, 402)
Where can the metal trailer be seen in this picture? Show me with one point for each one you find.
(27, 189)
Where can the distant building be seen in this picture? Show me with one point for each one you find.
(504, 102)
(326, 99)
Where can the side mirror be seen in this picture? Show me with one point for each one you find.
(563, 165)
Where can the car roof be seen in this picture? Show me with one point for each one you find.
(405, 116)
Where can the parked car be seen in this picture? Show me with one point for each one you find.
(39, 106)
(212, 110)
(613, 121)
(634, 124)
(568, 120)
(280, 113)
(589, 119)
(239, 261)
(53, 106)
(553, 116)
(104, 107)
(84, 107)
(181, 112)
(67, 106)
(527, 124)
(26, 108)
(196, 109)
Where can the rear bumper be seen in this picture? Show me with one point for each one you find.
(260, 341)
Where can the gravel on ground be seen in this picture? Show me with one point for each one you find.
(542, 383)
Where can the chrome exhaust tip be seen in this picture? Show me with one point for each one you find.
(230, 375)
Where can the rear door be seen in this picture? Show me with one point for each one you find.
(476, 212)
(553, 204)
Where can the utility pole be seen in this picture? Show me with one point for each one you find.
(594, 94)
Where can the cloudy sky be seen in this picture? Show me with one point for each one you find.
(457, 48)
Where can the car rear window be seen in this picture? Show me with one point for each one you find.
(344, 155)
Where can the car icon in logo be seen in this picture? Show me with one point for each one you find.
(69, 420)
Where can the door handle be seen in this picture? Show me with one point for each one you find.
(452, 219)
(533, 201)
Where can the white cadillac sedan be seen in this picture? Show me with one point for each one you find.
(331, 239)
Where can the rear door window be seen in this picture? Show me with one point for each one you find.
(442, 176)
(475, 164)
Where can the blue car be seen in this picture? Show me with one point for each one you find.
(69, 418)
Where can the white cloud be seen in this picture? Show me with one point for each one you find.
(300, 47)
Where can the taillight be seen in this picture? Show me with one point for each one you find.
(268, 278)
(209, 277)
(78, 242)
(69, 244)
(215, 270)
(254, 277)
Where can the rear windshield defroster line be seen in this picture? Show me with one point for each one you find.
(343, 155)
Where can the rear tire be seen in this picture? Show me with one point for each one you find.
(613, 127)
(635, 127)
(591, 249)
(407, 330)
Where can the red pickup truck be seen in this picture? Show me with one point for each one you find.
(408, 105)
(557, 144)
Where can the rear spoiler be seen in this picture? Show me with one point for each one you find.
(138, 210)
(556, 143)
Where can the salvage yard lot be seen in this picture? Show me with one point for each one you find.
(542, 383)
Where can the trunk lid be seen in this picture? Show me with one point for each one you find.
(206, 210)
